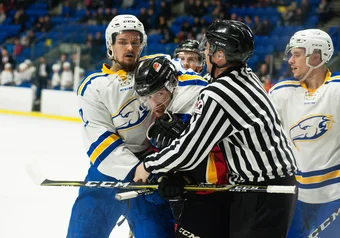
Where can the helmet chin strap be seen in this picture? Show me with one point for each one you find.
(310, 69)
(214, 66)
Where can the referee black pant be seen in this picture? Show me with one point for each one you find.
(262, 215)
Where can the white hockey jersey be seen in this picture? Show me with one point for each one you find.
(311, 120)
(115, 124)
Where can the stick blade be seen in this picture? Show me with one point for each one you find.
(33, 172)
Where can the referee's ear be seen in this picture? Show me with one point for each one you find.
(220, 57)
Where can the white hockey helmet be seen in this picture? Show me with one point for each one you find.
(122, 23)
(310, 40)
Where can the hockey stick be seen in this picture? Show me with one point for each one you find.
(39, 180)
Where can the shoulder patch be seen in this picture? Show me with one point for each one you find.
(199, 107)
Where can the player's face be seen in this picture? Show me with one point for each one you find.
(159, 101)
(297, 62)
(190, 60)
(126, 49)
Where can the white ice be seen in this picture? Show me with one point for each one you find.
(28, 210)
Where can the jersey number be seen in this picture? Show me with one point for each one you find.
(81, 113)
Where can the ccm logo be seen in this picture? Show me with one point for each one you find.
(187, 233)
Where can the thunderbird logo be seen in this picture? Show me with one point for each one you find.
(311, 128)
(130, 115)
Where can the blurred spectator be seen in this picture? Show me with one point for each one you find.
(17, 49)
(6, 58)
(189, 7)
(107, 16)
(165, 10)
(30, 68)
(62, 59)
(248, 21)
(6, 76)
(39, 24)
(287, 15)
(143, 17)
(55, 82)
(201, 34)
(66, 77)
(2, 15)
(199, 10)
(127, 3)
(66, 10)
(22, 77)
(42, 74)
(196, 26)
(168, 37)
(305, 8)
(20, 18)
(151, 19)
(186, 27)
(256, 26)
(100, 17)
(87, 16)
(265, 28)
(298, 18)
(47, 25)
(267, 84)
(324, 11)
(28, 38)
(263, 72)
(161, 24)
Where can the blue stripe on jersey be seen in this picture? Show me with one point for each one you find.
(335, 74)
(104, 145)
(87, 81)
(184, 117)
(193, 82)
(319, 178)
(332, 81)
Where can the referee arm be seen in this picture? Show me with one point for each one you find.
(208, 126)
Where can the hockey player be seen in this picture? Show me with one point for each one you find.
(114, 131)
(308, 104)
(235, 112)
(173, 97)
(189, 54)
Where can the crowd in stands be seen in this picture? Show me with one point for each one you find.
(166, 23)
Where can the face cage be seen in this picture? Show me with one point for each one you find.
(199, 63)
(114, 35)
(169, 85)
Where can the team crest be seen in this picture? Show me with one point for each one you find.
(157, 66)
(199, 107)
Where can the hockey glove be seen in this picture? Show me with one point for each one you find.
(171, 186)
(165, 129)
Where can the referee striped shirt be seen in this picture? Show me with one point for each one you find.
(235, 113)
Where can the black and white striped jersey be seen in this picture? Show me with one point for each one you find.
(236, 113)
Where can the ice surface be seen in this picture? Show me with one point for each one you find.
(28, 210)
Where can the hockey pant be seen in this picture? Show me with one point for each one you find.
(316, 220)
(96, 212)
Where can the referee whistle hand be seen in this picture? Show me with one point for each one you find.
(141, 175)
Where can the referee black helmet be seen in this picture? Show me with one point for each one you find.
(233, 37)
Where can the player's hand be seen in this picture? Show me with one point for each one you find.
(171, 185)
(165, 129)
(141, 175)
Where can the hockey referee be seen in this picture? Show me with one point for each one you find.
(235, 113)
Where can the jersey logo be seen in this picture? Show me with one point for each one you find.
(311, 128)
(130, 115)
(157, 66)
(199, 107)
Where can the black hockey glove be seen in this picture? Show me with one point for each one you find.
(171, 185)
(165, 129)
